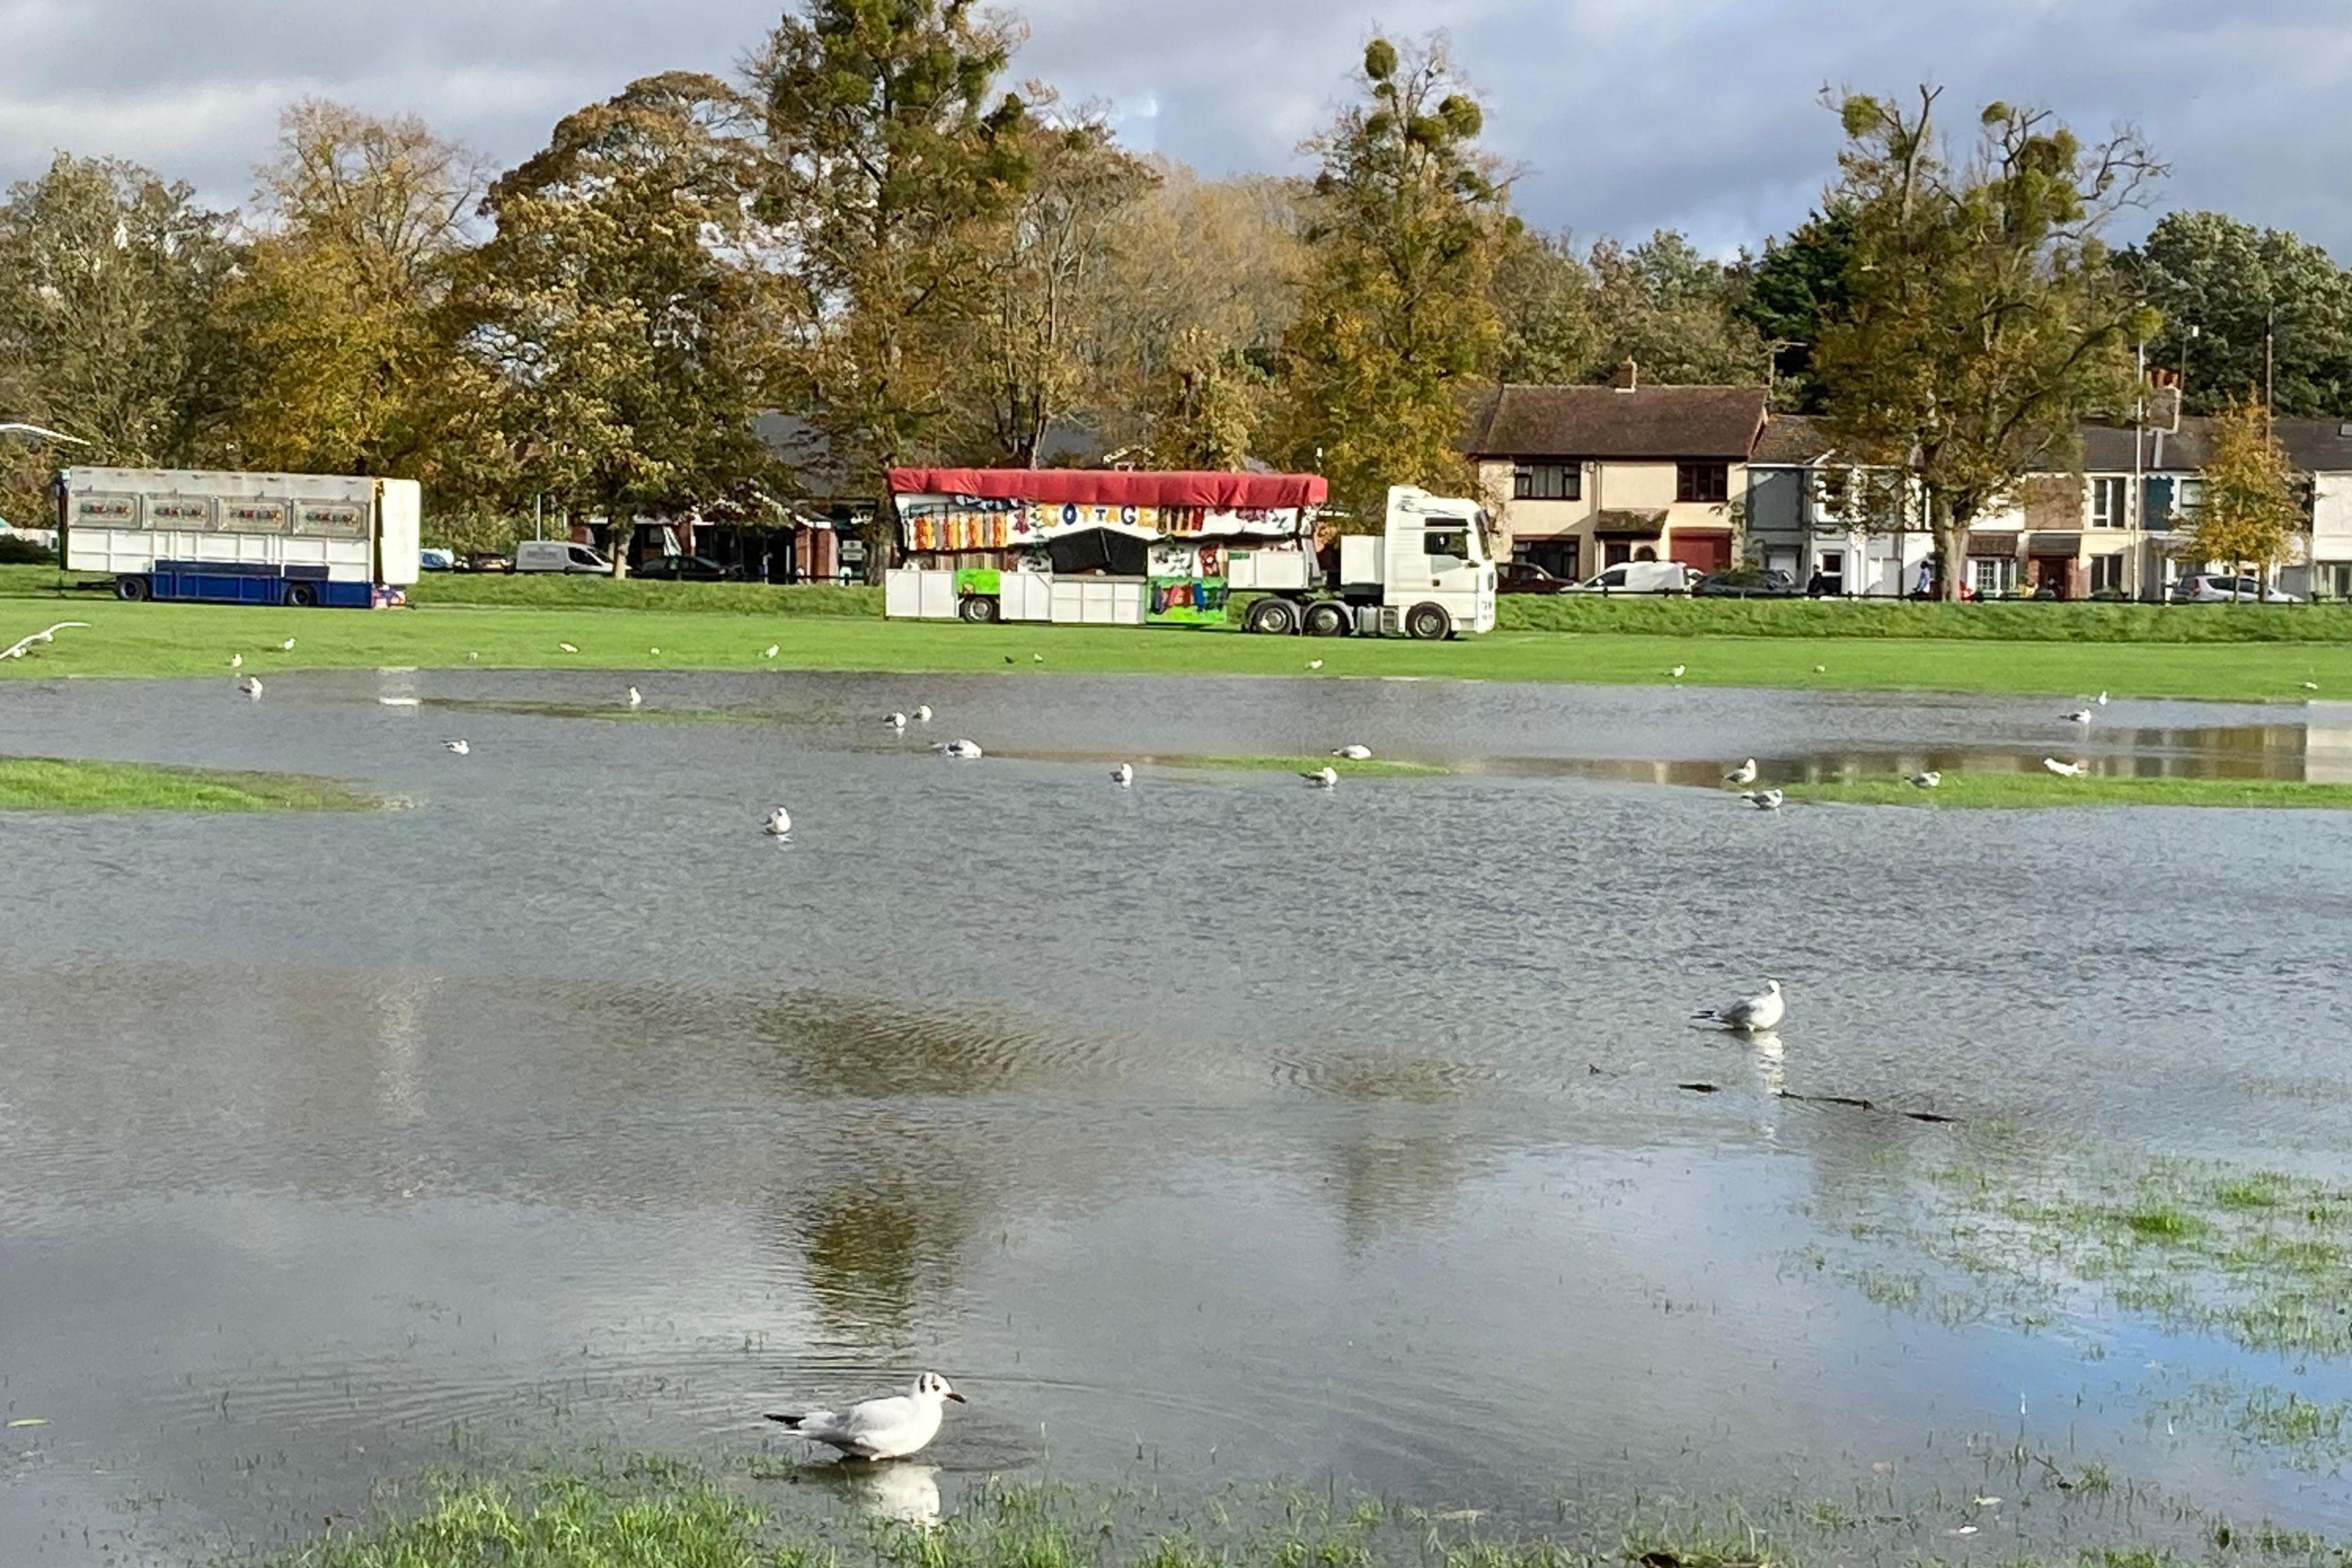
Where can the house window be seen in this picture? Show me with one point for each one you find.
(1547, 482)
(1829, 573)
(2333, 579)
(2107, 504)
(1702, 482)
(2107, 573)
(1991, 576)
(2187, 496)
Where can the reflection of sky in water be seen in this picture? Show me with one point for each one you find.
(1250, 1131)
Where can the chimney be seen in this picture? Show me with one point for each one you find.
(2163, 401)
(1627, 377)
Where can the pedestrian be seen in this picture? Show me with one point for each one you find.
(1817, 584)
(1927, 580)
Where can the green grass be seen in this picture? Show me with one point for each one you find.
(2039, 788)
(193, 639)
(556, 590)
(2026, 621)
(56, 783)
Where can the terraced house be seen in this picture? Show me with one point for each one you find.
(1579, 479)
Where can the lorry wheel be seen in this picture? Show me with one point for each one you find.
(1428, 623)
(979, 609)
(1275, 618)
(131, 587)
(301, 595)
(1326, 619)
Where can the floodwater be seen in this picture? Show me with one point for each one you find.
(1214, 1131)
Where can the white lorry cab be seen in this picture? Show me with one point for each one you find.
(1130, 548)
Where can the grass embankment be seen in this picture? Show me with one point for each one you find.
(1997, 790)
(56, 783)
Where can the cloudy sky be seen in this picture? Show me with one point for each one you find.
(1626, 114)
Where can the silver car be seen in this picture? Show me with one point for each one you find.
(2213, 588)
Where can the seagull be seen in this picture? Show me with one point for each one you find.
(778, 823)
(1745, 773)
(2103, 699)
(2079, 716)
(1763, 799)
(567, 648)
(459, 747)
(922, 713)
(1323, 777)
(879, 1428)
(774, 648)
(251, 686)
(896, 720)
(286, 646)
(1821, 670)
(1354, 753)
(652, 652)
(1123, 775)
(473, 659)
(1676, 672)
(1750, 1015)
(1314, 664)
(959, 749)
(2311, 686)
(1036, 659)
(1929, 779)
(237, 661)
(17, 651)
(2064, 770)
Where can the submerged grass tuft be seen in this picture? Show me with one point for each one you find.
(61, 784)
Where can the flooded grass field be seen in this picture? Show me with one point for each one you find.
(1213, 1135)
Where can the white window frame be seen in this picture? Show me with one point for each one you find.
(2110, 505)
(1990, 575)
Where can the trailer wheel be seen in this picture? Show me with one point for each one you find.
(129, 587)
(301, 595)
(1428, 623)
(1327, 620)
(1275, 618)
(980, 609)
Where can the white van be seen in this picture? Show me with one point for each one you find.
(558, 555)
(1641, 578)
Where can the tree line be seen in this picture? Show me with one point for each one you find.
(873, 229)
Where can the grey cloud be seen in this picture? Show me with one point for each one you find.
(1692, 113)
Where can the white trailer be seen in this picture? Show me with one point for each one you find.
(239, 538)
(1120, 548)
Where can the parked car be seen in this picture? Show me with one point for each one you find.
(1745, 582)
(2215, 588)
(558, 555)
(431, 560)
(488, 560)
(1522, 577)
(1641, 578)
(687, 569)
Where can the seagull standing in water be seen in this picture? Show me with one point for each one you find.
(2103, 699)
(2079, 716)
(1745, 773)
(777, 823)
(1764, 799)
(251, 686)
(1325, 777)
(959, 749)
(459, 747)
(18, 649)
(922, 712)
(879, 1428)
(896, 720)
(1123, 775)
(635, 699)
(1754, 1014)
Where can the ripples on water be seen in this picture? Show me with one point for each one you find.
(1249, 1130)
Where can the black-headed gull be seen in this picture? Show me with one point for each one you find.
(459, 747)
(1750, 1014)
(896, 720)
(1926, 779)
(889, 1429)
(2064, 770)
(1354, 753)
(1745, 773)
(922, 712)
(1123, 775)
(251, 686)
(1764, 799)
(2079, 716)
(1325, 777)
(778, 823)
(959, 749)
(635, 700)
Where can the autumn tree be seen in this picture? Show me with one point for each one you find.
(2225, 290)
(1020, 343)
(343, 336)
(2250, 510)
(107, 275)
(1982, 320)
(621, 304)
(1397, 324)
(891, 150)
(1542, 293)
(1673, 311)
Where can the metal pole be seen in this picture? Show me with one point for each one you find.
(2133, 509)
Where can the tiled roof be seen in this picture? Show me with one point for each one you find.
(2312, 445)
(1792, 438)
(1652, 421)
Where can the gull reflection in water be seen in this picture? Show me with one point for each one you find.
(899, 1492)
(1769, 1062)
